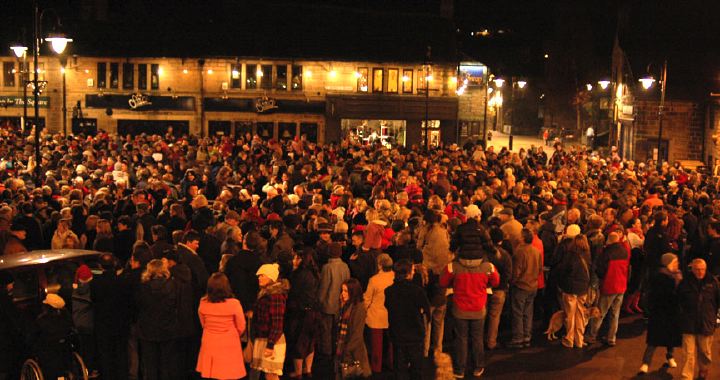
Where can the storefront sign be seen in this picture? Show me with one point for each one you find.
(17, 101)
(141, 102)
(265, 104)
(138, 100)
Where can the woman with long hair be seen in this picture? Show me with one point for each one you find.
(302, 316)
(350, 348)
(223, 322)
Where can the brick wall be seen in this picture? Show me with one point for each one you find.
(683, 128)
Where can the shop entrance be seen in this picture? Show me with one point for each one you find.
(386, 132)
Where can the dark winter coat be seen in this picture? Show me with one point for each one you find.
(699, 301)
(158, 310)
(354, 345)
(407, 306)
(663, 311)
(209, 251)
(197, 268)
(240, 270)
(467, 240)
(111, 303)
(656, 245)
(573, 274)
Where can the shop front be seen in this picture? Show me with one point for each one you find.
(391, 120)
(269, 118)
(135, 114)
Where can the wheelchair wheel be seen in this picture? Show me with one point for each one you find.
(77, 370)
(31, 370)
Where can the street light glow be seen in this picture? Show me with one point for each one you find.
(522, 84)
(235, 74)
(589, 87)
(58, 43)
(647, 82)
(499, 82)
(604, 84)
(19, 50)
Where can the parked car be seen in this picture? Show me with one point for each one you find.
(35, 274)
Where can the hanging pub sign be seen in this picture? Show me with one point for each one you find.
(265, 104)
(138, 100)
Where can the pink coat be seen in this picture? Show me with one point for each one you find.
(221, 354)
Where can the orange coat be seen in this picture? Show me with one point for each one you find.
(221, 354)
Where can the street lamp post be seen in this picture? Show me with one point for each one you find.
(59, 43)
(63, 64)
(647, 82)
(21, 52)
(428, 78)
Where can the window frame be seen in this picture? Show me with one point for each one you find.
(382, 80)
(409, 82)
(128, 76)
(396, 81)
(364, 73)
(142, 80)
(102, 80)
(114, 81)
(293, 76)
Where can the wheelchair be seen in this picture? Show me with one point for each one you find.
(75, 369)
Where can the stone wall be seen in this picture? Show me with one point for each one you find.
(683, 129)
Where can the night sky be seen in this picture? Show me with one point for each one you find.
(578, 35)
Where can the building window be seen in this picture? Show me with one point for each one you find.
(235, 74)
(297, 78)
(287, 131)
(392, 85)
(142, 77)
(243, 128)
(266, 79)
(281, 77)
(9, 74)
(377, 80)
(113, 75)
(310, 131)
(251, 72)
(102, 74)
(154, 76)
(362, 82)
(407, 81)
(265, 130)
(128, 76)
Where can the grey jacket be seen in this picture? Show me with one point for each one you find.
(333, 274)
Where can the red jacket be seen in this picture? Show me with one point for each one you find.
(537, 243)
(613, 267)
(469, 280)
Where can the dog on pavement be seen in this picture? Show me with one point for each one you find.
(558, 319)
(444, 367)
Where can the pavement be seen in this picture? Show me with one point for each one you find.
(546, 360)
(550, 360)
(500, 140)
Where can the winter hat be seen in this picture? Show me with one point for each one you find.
(667, 258)
(83, 274)
(54, 301)
(324, 227)
(272, 271)
(572, 230)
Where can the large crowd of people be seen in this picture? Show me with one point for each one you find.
(226, 257)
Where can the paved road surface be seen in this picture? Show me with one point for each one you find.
(551, 361)
(500, 140)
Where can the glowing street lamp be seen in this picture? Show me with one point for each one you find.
(647, 82)
(58, 42)
(604, 84)
(522, 84)
(589, 87)
(499, 82)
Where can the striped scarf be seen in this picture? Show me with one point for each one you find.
(342, 328)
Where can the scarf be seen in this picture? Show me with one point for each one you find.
(345, 312)
(638, 232)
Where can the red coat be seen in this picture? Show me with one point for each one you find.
(221, 355)
(469, 280)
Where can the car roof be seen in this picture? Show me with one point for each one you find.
(41, 257)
